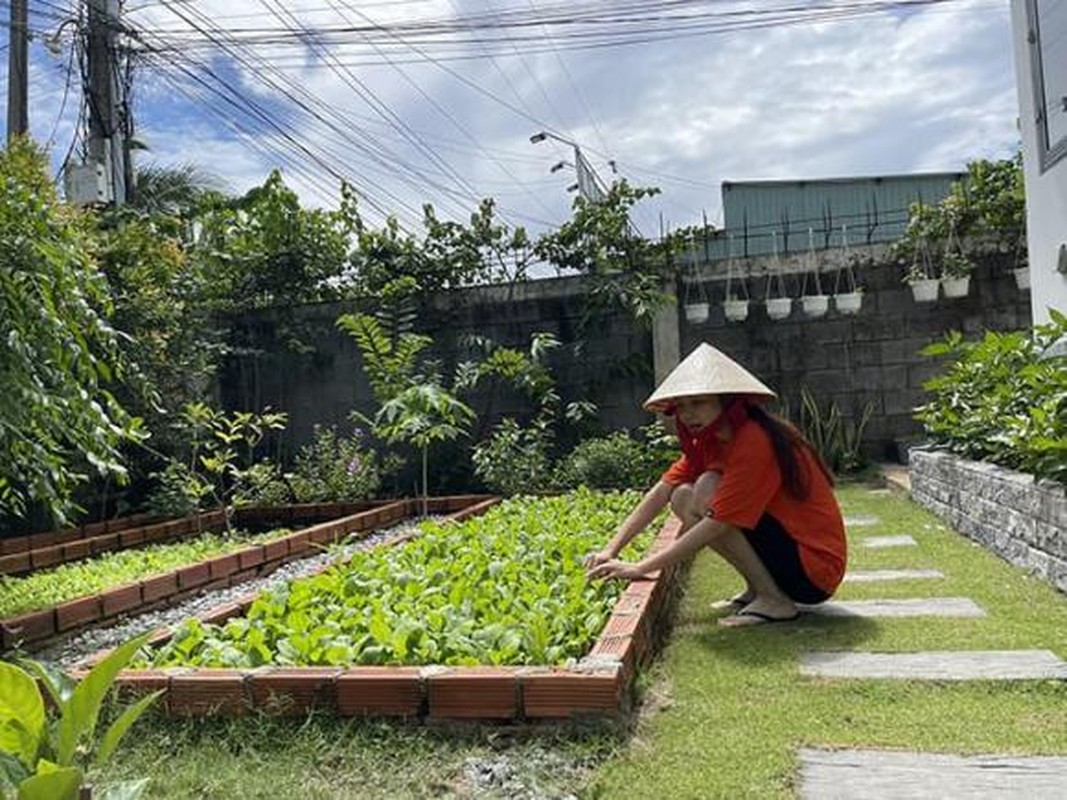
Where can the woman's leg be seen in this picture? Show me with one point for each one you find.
(690, 504)
(765, 598)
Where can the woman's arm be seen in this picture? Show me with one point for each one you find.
(700, 535)
(651, 504)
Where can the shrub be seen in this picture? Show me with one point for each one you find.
(335, 468)
(514, 460)
(617, 461)
(1003, 399)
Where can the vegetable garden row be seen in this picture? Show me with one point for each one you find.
(490, 617)
(99, 576)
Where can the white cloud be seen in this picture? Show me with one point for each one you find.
(883, 95)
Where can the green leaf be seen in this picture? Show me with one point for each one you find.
(79, 714)
(21, 703)
(63, 783)
(12, 771)
(118, 728)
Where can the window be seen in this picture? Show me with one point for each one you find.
(1047, 38)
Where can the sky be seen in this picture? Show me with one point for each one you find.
(409, 118)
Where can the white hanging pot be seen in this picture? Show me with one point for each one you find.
(815, 305)
(848, 303)
(779, 307)
(696, 312)
(1022, 277)
(925, 291)
(735, 310)
(956, 287)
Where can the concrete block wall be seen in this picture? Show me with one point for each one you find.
(872, 356)
(1020, 519)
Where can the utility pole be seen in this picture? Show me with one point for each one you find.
(18, 118)
(107, 141)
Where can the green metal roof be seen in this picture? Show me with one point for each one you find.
(762, 215)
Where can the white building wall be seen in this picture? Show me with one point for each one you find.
(1046, 193)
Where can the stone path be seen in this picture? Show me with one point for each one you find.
(880, 775)
(870, 576)
(918, 607)
(944, 665)
(902, 540)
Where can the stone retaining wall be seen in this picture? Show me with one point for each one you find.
(1020, 519)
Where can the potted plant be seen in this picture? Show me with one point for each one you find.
(956, 273)
(735, 306)
(816, 304)
(923, 288)
(848, 296)
(781, 306)
(697, 312)
(1021, 269)
(696, 302)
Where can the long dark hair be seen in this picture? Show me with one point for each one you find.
(785, 439)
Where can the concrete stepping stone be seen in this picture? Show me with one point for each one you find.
(902, 540)
(911, 607)
(945, 665)
(861, 521)
(869, 576)
(883, 775)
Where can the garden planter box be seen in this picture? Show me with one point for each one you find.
(1020, 519)
(35, 627)
(22, 554)
(598, 685)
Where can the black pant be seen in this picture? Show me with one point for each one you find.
(781, 556)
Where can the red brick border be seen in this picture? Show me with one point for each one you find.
(599, 685)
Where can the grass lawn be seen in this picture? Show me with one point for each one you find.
(723, 710)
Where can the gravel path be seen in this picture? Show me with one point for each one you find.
(67, 652)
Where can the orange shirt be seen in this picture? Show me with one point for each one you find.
(751, 486)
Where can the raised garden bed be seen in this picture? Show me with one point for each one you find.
(594, 680)
(20, 555)
(37, 626)
(1021, 519)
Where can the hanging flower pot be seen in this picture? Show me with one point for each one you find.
(1022, 277)
(695, 303)
(848, 303)
(779, 307)
(696, 312)
(956, 287)
(735, 310)
(848, 296)
(815, 305)
(924, 290)
(955, 268)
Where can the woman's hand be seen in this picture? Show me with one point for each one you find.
(597, 558)
(617, 570)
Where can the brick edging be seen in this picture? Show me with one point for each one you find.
(598, 685)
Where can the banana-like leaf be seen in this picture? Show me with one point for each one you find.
(118, 728)
(79, 715)
(52, 783)
(22, 715)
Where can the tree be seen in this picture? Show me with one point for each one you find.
(58, 422)
(625, 269)
(171, 190)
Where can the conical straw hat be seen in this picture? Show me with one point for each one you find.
(706, 371)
